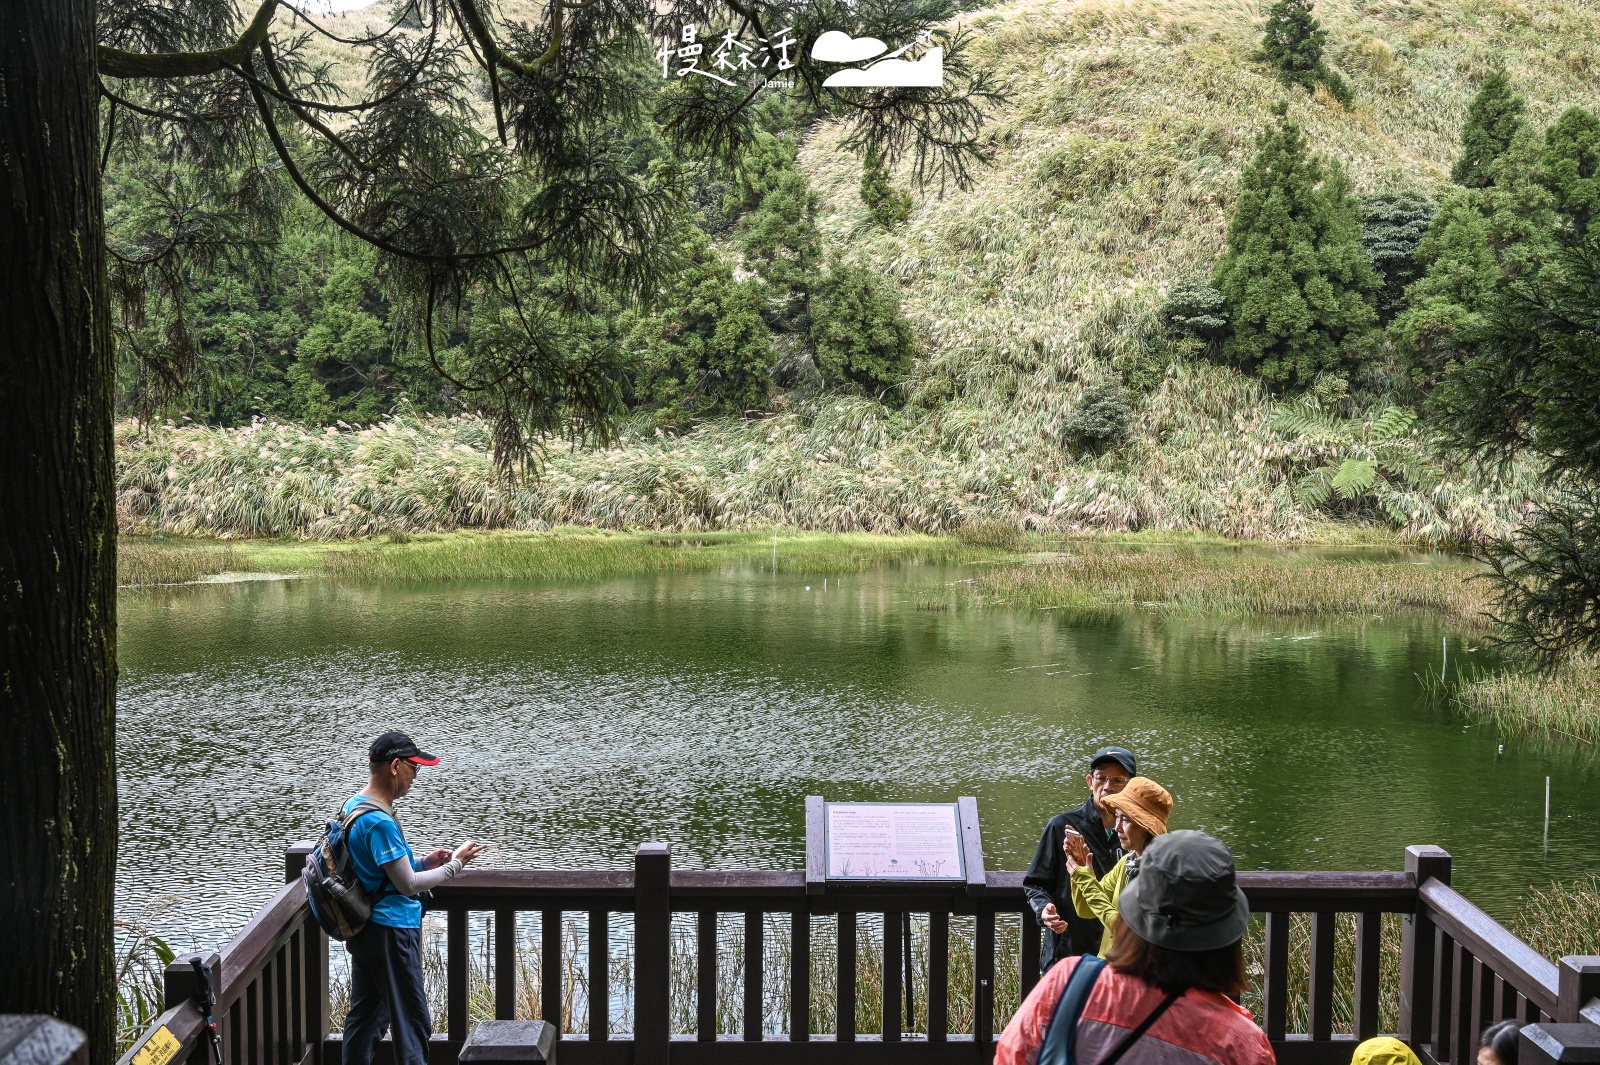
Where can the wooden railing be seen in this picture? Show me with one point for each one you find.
(1460, 971)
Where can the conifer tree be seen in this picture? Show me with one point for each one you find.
(1296, 278)
(1493, 120)
(1292, 42)
(1571, 166)
(889, 206)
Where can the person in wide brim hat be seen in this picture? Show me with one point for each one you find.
(1175, 961)
(1141, 809)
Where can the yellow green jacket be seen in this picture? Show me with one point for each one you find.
(1097, 897)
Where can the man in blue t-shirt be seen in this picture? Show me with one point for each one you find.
(386, 988)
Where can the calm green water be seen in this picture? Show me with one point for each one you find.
(576, 721)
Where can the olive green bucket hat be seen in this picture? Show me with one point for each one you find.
(1184, 896)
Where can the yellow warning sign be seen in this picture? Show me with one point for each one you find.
(159, 1049)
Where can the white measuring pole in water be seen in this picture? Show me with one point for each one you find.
(1547, 815)
(1446, 660)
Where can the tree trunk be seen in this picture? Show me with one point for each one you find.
(58, 808)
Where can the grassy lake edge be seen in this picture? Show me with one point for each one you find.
(1332, 574)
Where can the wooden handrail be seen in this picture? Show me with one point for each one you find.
(247, 952)
(282, 947)
(1518, 964)
(182, 1023)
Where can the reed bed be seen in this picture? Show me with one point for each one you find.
(145, 562)
(574, 555)
(1092, 577)
(1562, 918)
(1563, 704)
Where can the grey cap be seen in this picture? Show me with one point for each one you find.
(1120, 755)
(1185, 896)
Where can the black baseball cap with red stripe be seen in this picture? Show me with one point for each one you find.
(396, 744)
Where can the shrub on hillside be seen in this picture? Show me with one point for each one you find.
(1296, 279)
(888, 205)
(1195, 307)
(1100, 419)
(1493, 119)
(860, 337)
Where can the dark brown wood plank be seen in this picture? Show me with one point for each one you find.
(938, 989)
(1275, 981)
(248, 951)
(1321, 990)
(892, 968)
(1368, 983)
(1509, 957)
(983, 980)
(280, 1028)
(252, 1023)
(755, 956)
(550, 969)
(1465, 1042)
(455, 974)
(1483, 1001)
(599, 976)
(845, 990)
(706, 976)
(800, 977)
(271, 1007)
(1031, 932)
(297, 994)
(505, 964)
(652, 953)
(1444, 982)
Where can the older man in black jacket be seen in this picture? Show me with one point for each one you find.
(1047, 881)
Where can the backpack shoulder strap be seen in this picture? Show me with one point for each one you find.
(349, 820)
(1063, 1030)
(362, 808)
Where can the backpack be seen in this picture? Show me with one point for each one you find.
(1062, 1033)
(338, 901)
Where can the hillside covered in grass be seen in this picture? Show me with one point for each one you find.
(1042, 393)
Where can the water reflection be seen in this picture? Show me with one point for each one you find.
(577, 720)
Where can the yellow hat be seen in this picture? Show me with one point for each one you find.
(1384, 1050)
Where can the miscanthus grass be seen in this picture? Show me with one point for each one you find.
(838, 465)
(1564, 704)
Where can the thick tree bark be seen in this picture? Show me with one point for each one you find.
(58, 803)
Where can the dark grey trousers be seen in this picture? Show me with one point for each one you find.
(386, 992)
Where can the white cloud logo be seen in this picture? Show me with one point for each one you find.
(836, 47)
(888, 72)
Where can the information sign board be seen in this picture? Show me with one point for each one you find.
(894, 841)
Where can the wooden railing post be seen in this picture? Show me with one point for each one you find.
(1417, 948)
(652, 950)
(313, 960)
(180, 982)
(1580, 982)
